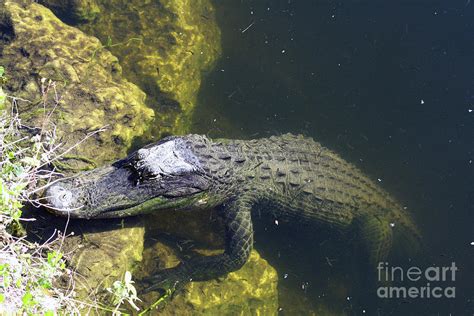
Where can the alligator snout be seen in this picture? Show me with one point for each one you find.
(60, 199)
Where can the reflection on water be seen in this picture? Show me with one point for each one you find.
(389, 87)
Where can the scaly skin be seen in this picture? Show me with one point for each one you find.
(289, 175)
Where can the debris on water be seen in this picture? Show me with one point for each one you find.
(422, 101)
(285, 276)
(283, 51)
(250, 25)
(472, 243)
(329, 261)
(469, 110)
(379, 180)
(392, 225)
(276, 222)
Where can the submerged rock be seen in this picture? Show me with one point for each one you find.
(164, 46)
(102, 257)
(74, 10)
(252, 290)
(89, 91)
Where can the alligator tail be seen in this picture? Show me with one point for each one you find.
(407, 237)
(381, 232)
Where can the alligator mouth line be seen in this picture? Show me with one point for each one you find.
(118, 208)
(146, 206)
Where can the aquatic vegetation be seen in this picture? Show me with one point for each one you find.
(124, 290)
(27, 270)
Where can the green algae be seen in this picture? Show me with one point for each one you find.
(86, 95)
(74, 10)
(178, 41)
(252, 290)
(101, 257)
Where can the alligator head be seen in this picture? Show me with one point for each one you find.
(164, 175)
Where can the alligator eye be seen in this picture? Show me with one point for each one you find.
(135, 177)
(142, 154)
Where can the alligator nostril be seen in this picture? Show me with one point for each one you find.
(143, 153)
(59, 197)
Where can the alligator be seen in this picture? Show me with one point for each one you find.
(292, 176)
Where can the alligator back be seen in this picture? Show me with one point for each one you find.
(296, 176)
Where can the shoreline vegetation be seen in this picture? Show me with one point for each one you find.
(35, 278)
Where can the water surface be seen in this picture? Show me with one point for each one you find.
(389, 86)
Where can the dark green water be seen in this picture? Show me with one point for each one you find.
(389, 86)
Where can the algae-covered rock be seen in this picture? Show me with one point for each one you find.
(89, 91)
(74, 10)
(164, 46)
(252, 290)
(102, 257)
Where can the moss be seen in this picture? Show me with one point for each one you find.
(252, 290)
(75, 10)
(101, 257)
(88, 93)
(164, 47)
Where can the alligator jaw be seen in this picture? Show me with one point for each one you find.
(158, 177)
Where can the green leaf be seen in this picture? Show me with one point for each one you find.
(16, 215)
(2, 298)
(3, 99)
(49, 313)
(27, 299)
(2, 71)
(45, 283)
